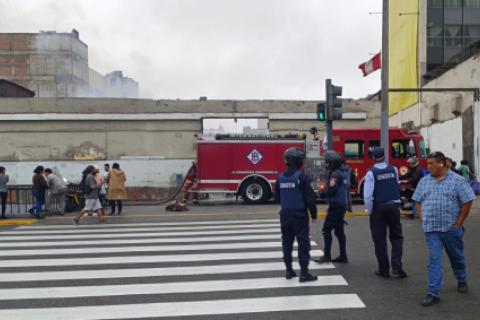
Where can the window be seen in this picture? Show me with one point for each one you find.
(353, 149)
(453, 3)
(372, 145)
(453, 30)
(400, 149)
(435, 3)
(472, 4)
(472, 30)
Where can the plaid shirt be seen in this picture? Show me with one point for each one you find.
(442, 200)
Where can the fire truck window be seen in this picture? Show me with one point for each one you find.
(400, 149)
(353, 149)
(372, 145)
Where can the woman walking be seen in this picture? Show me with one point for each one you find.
(38, 191)
(116, 188)
(3, 190)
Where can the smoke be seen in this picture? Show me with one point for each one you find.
(236, 49)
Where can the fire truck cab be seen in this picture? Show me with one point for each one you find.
(356, 146)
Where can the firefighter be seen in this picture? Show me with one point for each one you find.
(189, 183)
(337, 206)
(414, 175)
(297, 198)
(382, 200)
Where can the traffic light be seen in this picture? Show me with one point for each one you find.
(334, 104)
(322, 111)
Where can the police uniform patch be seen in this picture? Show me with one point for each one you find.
(333, 182)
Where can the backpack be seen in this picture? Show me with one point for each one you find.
(84, 188)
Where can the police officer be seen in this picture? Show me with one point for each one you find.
(337, 206)
(297, 198)
(382, 200)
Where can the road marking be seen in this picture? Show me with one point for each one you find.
(146, 259)
(138, 241)
(158, 229)
(135, 249)
(151, 272)
(140, 235)
(190, 308)
(168, 287)
(17, 222)
(151, 224)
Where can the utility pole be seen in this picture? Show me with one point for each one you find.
(384, 95)
(329, 132)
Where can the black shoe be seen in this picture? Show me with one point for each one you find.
(323, 259)
(382, 274)
(340, 259)
(400, 274)
(31, 211)
(290, 274)
(307, 277)
(430, 300)
(462, 287)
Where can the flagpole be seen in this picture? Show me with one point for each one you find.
(384, 94)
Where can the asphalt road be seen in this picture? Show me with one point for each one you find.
(152, 264)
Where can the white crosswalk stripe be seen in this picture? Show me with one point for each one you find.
(64, 272)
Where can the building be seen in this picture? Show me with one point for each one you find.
(451, 26)
(447, 46)
(10, 89)
(55, 64)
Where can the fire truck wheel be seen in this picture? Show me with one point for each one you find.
(255, 191)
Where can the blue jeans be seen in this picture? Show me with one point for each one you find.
(414, 208)
(38, 203)
(452, 241)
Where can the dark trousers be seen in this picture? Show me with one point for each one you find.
(334, 221)
(4, 195)
(114, 204)
(387, 216)
(295, 227)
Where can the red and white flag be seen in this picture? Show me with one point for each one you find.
(371, 65)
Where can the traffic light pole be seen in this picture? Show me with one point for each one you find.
(384, 95)
(329, 126)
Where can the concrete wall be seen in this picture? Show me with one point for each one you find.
(445, 137)
(69, 133)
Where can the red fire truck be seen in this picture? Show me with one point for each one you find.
(356, 146)
(249, 165)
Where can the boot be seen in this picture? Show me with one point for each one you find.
(305, 276)
(323, 259)
(290, 274)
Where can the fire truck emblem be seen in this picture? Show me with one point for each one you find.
(254, 156)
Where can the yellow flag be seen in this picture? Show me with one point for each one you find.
(403, 53)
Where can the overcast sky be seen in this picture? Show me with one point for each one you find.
(222, 49)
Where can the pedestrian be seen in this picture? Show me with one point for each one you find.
(116, 188)
(465, 170)
(3, 190)
(413, 177)
(39, 190)
(190, 181)
(104, 189)
(350, 181)
(452, 165)
(296, 197)
(90, 188)
(337, 207)
(443, 202)
(57, 189)
(382, 201)
(101, 183)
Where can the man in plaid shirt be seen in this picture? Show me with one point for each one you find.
(443, 201)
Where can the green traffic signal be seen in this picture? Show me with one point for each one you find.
(321, 112)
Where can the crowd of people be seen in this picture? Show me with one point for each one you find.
(49, 191)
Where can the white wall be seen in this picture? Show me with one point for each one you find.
(445, 137)
(139, 172)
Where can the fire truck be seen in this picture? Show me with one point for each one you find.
(356, 146)
(248, 166)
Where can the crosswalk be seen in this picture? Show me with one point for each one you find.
(157, 270)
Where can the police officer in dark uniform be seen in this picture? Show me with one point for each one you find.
(382, 200)
(297, 198)
(337, 206)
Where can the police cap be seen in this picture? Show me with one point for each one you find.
(378, 153)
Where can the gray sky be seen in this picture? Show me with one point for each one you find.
(222, 49)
